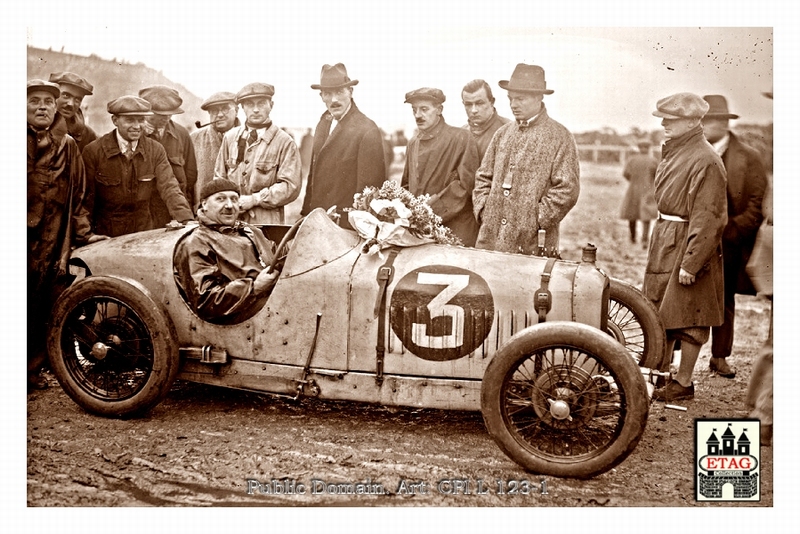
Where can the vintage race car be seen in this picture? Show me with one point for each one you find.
(546, 349)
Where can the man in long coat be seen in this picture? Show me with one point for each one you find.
(482, 117)
(166, 102)
(57, 218)
(638, 203)
(684, 276)
(441, 161)
(747, 182)
(221, 108)
(346, 156)
(124, 169)
(529, 178)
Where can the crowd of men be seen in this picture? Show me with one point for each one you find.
(495, 182)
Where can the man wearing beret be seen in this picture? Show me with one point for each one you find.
(746, 184)
(223, 265)
(166, 102)
(683, 276)
(441, 161)
(260, 158)
(73, 89)
(347, 153)
(529, 178)
(124, 169)
(221, 108)
(482, 117)
(57, 218)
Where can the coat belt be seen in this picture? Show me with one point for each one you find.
(673, 218)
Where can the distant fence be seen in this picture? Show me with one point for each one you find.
(598, 153)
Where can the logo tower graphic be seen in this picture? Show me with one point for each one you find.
(727, 460)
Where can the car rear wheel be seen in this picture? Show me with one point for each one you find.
(111, 347)
(633, 320)
(563, 399)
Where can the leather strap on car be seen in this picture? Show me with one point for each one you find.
(543, 300)
(385, 275)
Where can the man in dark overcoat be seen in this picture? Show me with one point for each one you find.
(683, 276)
(57, 218)
(747, 182)
(124, 169)
(347, 154)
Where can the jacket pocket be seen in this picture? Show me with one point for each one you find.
(108, 180)
(266, 174)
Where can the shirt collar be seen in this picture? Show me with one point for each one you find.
(722, 145)
(337, 121)
(124, 144)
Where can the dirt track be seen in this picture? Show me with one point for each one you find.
(201, 445)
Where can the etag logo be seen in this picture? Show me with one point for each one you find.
(727, 460)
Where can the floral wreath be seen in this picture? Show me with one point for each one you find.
(391, 215)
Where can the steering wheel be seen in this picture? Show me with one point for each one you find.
(280, 253)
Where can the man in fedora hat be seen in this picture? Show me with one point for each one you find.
(166, 102)
(347, 153)
(223, 265)
(683, 276)
(441, 161)
(529, 177)
(747, 182)
(57, 218)
(124, 169)
(73, 89)
(221, 108)
(260, 158)
(482, 117)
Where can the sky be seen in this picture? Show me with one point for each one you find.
(608, 65)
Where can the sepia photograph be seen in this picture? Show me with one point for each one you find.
(358, 258)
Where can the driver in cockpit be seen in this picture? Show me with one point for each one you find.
(223, 265)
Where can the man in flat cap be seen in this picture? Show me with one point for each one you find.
(747, 181)
(57, 217)
(529, 178)
(347, 153)
(684, 275)
(221, 108)
(482, 117)
(166, 102)
(223, 265)
(441, 161)
(260, 158)
(73, 89)
(124, 169)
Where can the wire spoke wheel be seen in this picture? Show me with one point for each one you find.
(564, 399)
(111, 346)
(634, 322)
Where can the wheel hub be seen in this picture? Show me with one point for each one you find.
(99, 351)
(559, 409)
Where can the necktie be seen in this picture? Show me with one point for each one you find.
(522, 124)
(253, 137)
(128, 152)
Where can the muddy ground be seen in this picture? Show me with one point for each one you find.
(200, 446)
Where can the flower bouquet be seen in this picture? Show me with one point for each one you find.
(391, 215)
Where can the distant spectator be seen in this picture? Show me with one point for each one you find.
(73, 90)
(166, 102)
(639, 204)
(221, 108)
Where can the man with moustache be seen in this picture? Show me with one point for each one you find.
(221, 108)
(73, 89)
(57, 218)
(529, 177)
(124, 169)
(348, 153)
(746, 184)
(166, 102)
(684, 274)
(441, 161)
(482, 118)
(260, 158)
(222, 266)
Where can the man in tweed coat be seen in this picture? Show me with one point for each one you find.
(529, 177)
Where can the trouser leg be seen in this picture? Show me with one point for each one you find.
(722, 336)
(632, 228)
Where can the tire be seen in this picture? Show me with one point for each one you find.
(633, 321)
(563, 399)
(111, 347)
